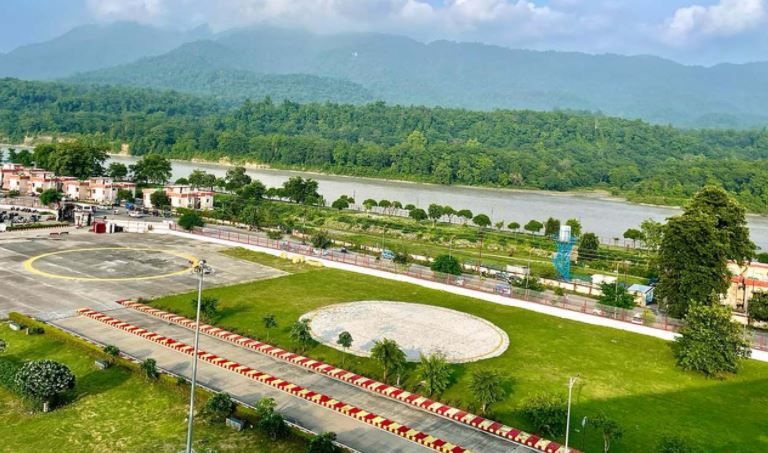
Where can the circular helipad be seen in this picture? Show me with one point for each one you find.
(110, 264)
(418, 329)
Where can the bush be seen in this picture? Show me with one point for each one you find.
(675, 444)
(218, 407)
(546, 413)
(42, 380)
(323, 443)
(149, 367)
(321, 240)
(446, 264)
(191, 220)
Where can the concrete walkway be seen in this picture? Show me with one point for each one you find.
(495, 298)
(353, 433)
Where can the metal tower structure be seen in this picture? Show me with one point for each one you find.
(562, 259)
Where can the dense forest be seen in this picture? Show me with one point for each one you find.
(522, 149)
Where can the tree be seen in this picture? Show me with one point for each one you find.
(208, 307)
(385, 205)
(124, 195)
(533, 226)
(251, 215)
(389, 355)
(546, 413)
(434, 372)
(159, 199)
(301, 334)
(218, 407)
(465, 214)
(730, 219)
(113, 352)
(551, 227)
(345, 341)
(44, 380)
(692, 263)
(446, 264)
(418, 215)
(50, 196)
(270, 421)
(236, 178)
(190, 220)
(369, 204)
(757, 307)
(435, 211)
(200, 178)
(609, 429)
(79, 159)
(323, 443)
(149, 368)
(397, 205)
(300, 190)
(321, 240)
(152, 169)
(182, 181)
(710, 342)
(588, 246)
(253, 192)
(575, 225)
(616, 295)
(499, 225)
(486, 388)
(117, 171)
(269, 322)
(482, 220)
(652, 233)
(449, 212)
(514, 226)
(340, 203)
(634, 235)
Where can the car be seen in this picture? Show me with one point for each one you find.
(135, 214)
(104, 207)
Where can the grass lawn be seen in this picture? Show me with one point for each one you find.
(631, 378)
(114, 410)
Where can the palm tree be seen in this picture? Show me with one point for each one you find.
(269, 323)
(486, 388)
(390, 357)
(345, 341)
(434, 372)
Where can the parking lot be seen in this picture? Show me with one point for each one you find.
(49, 278)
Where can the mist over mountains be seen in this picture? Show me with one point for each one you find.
(358, 68)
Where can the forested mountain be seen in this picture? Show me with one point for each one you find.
(475, 76)
(90, 47)
(208, 68)
(525, 149)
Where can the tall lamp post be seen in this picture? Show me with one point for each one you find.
(571, 381)
(201, 269)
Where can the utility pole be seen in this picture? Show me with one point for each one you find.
(571, 380)
(201, 269)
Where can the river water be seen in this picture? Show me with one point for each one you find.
(605, 216)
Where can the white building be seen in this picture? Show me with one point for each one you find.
(182, 196)
(104, 190)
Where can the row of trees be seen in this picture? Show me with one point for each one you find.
(547, 150)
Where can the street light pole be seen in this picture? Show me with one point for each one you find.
(571, 381)
(201, 269)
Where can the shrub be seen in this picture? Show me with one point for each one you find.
(446, 264)
(149, 368)
(190, 220)
(43, 380)
(218, 407)
(323, 443)
(546, 413)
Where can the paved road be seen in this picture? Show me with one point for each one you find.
(351, 432)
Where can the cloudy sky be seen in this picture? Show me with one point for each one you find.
(691, 31)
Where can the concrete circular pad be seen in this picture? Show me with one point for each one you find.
(418, 329)
(110, 264)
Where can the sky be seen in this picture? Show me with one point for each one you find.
(690, 31)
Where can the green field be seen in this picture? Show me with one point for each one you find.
(629, 377)
(113, 410)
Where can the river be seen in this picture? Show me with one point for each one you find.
(606, 216)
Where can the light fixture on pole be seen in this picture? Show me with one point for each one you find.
(201, 269)
(571, 381)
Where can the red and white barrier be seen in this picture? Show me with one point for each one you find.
(280, 384)
(390, 391)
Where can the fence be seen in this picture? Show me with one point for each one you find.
(474, 282)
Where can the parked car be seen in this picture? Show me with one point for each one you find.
(135, 214)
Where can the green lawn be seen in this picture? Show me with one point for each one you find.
(629, 377)
(114, 410)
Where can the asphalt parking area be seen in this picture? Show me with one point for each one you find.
(49, 278)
